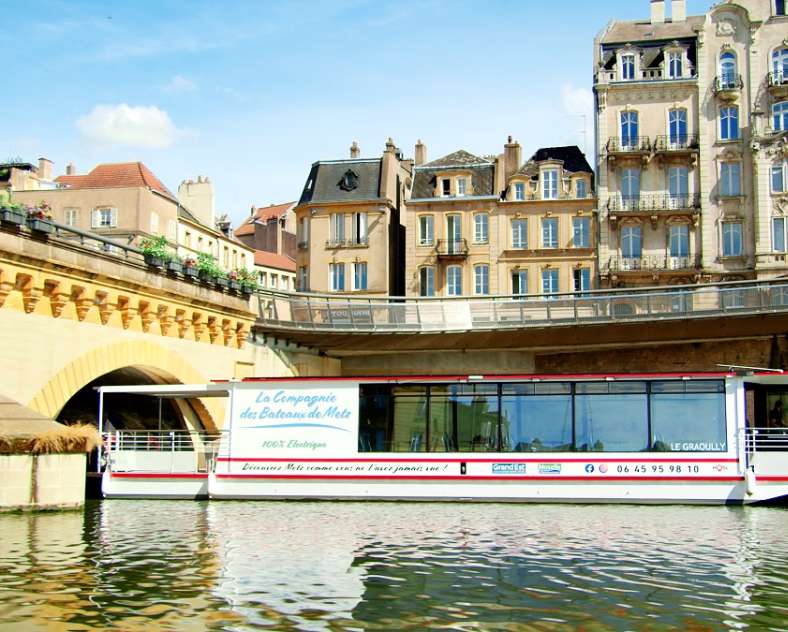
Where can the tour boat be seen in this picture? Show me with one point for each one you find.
(699, 438)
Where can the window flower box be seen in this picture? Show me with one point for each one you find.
(247, 288)
(235, 286)
(206, 277)
(153, 261)
(221, 282)
(174, 266)
(39, 225)
(11, 215)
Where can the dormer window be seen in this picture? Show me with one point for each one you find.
(675, 61)
(550, 184)
(580, 189)
(349, 180)
(519, 191)
(461, 183)
(627, 67)
(445, 187)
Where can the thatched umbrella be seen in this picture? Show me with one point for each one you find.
(24, 431)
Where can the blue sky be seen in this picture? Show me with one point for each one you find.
(251, 93)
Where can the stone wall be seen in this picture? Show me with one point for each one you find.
(45, 481)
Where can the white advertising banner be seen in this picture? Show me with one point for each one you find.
(310, 419)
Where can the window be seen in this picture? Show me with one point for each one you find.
(235, 259)
(187, 239)
(677, 127)
(729, 123)
(71, 216)
(675, 65)
(731, 239)
(481, 279)
(426, 228)
(686, 415)
(454, 233)
(629, 130)
(611, 417)
(427, 282)
(336, 272)
(243, 261)
(303, 279)
(730, 179)
(226, 258)
(550, 184)
(779, 177)
(274, 281)
(445, 187)
(581, 278)
(779, 7)
(172, 229)
(550, 232)
(728, 71)
(630, 242)
(337, 228)
(780, 115)
(154, 222)
(263, 279)
(303, 231)
(199, 243)
(480, 228)
(679, 240)
(780, 65)
(549, 281)
(519, 282)
(359, 228)
(536, 417)
(360, 276)
(580, 189)
(630, 185)
(778, 234)
(519, 233)
(627, 67)
(461, 184)
(678, 185)
(104, 218)
(581, 232)
(519, 191)
(454, 280)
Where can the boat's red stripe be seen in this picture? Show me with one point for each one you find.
(772, 479)
(500, 478)
(224, 459)
(155, 475)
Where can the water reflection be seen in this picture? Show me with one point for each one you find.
(179, 565)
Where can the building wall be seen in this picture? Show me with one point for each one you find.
(230, 254)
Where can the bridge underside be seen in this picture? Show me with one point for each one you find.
(555, 336)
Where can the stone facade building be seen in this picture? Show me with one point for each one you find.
(270, 230)
(350, 224)
(691, 120)
(493, 225)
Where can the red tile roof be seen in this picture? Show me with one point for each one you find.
(263, 214)
(117, 175)
(273, 260)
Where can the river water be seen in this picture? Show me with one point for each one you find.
(180, 565)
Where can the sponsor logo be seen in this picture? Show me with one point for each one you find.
(720, 468)
(508, 468)
(549, 468)
(603, 468)
(589, 468)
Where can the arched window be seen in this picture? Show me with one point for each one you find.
(780, 177)
(629, 129)
(630, 242)
(780, 115)
(780, 66)
(728, 70)
(677, 126)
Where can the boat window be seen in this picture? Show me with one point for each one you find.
(552, 388)
(611, 423)
(409, 424)
(690, 421)
(536, 423)
(464, 423)
(588, 388)
(522, 388)
(373, 414)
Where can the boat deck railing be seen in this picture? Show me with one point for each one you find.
(170, 451)
(386, 314)
(766, 440)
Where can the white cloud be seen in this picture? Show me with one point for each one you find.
(179, 84)
(136, 126)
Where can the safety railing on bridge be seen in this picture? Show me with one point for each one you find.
(164, 451)
(320, 312)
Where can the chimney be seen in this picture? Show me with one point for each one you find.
(511, 157)
(355, 151)
(421, 153)
(44, 169)
(391, 148)
(679, 11)
(657, 11)
(71, 170)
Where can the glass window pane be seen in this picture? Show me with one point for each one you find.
(778, 232)
(536, 423)
(410, 424)
(688, 422)
(611, 423)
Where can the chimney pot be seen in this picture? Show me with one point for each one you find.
(355, 151)
(657, 11)
(679, 11)
(421, 153)
(71, 170)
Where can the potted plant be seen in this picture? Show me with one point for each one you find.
(38, 218)
(233, 280)
(190, 268)
(154, 250)
(12, 213)
(247, 280)
(207, 268)
(221, 280)
(174, 264)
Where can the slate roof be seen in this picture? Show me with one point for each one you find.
(116, 176)
(574, 160)
(322, 184)
(622, 32)
(274, 260)
(482, 174)
(263, 214)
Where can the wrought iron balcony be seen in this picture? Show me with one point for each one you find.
(727, 86)
(653, 263)
(451, 248)
(353, 242)
(650, 203)
(778, 83)
(681, 143)
(628, 145)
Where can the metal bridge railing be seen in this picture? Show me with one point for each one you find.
(320, 312)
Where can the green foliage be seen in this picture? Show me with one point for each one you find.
(156, 247)
(247, 278)
(207, 264)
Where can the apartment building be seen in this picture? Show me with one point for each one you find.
(270, 230)
(493, 225)
(349, 224)
(691, 114)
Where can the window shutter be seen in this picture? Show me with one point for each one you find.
(362, 226)
(94, 218)
(114, 217)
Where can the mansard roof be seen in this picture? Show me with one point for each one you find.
(459, 158)
(482, 174)
(353, 180)
(622, 32)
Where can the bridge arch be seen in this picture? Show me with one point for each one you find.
(156, 363)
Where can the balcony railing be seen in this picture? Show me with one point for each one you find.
(280, 311)
(628, 144)
(352, 242)
(652, 263)
(778, 80)
(452, 248)
(647, 74)
(726, 84)
(653, 203)
(679, 143)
